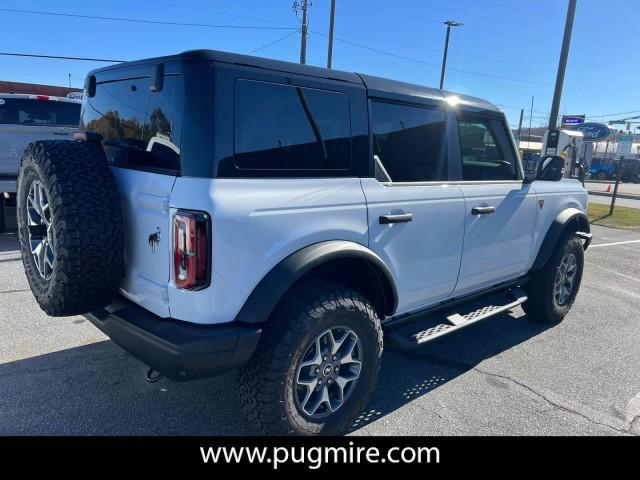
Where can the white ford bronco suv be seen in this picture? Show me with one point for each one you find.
(222, 211)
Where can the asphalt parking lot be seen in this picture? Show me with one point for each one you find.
(505, 376)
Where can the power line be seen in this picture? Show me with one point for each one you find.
(272, 43)
(524, 10)
(423, 62)
(414, 16)
(412, 45)
(138, 20)
(614, 114)
(58, 57)
(209, 10)
(486, 17)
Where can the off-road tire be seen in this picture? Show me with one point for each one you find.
(267, 381)
(542, 305)
(86, 224)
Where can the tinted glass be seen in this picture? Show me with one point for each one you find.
(282, 127)
(410, 142)
(24, 111)
(483, 156)
(139, 128)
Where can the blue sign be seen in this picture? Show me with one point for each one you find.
(593, 132)
(572, 120)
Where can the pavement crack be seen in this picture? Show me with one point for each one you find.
(556, 405)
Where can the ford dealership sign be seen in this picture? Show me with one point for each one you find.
(593, 132)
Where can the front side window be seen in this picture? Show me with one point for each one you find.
(484, 155)
(409, 142)
(284, 127)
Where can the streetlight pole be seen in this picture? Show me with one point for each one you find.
(449, 24)
(331, 22)
(562, 66)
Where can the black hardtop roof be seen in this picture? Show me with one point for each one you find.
(377, 86)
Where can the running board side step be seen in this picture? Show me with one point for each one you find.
(429, 328)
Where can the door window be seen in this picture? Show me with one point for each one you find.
(409, 143)
(485, 155)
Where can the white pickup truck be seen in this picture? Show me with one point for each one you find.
(24, 119)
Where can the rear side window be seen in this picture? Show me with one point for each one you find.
(485, 152)
(140, 128)
(24, 111)
(410, 142)
(284, 127)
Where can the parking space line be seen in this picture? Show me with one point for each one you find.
(614, 243)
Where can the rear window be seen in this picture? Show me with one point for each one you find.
(284, 127)
(25, 111)
(140, 128)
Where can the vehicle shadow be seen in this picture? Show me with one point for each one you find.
(98, 389)
(407, 375)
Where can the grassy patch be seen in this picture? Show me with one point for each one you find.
(623, 217)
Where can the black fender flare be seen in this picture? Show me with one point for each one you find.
(273, 286)
(570, 218)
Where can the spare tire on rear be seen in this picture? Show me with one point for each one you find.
(70, 226)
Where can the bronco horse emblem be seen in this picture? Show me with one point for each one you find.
(154, 239)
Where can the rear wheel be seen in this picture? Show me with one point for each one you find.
(602, 176)
(317, 362)
(553, 289)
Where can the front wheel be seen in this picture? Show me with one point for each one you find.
(317, 362)
(553, 289)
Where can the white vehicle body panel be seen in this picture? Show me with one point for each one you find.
(145, 207)
(424, 254)
(256, 223)
(497, 246)
(557, 197)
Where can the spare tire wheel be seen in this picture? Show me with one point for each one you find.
(70, 226)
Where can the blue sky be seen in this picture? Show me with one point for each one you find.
(506, 52)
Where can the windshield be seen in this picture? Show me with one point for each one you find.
(25, 111)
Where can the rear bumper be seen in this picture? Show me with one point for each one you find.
(176, 349)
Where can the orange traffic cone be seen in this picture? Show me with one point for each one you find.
(609, 188)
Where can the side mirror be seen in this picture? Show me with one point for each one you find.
(551, 169)
(530, 170)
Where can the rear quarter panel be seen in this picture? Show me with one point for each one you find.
(256, 223)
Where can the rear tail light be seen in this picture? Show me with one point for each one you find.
(42, 97)
(191, 247)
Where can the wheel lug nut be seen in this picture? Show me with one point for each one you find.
(317, 369)
(324, 358)
(334, 358)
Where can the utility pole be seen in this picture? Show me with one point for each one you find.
(449, 24)
(520, 123)
(304, 28)
(562, 66)
(69, 80)
(530, 117)
(331, 21)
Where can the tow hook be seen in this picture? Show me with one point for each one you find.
(153, 376)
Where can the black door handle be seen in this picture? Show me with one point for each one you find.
(395, 218)
(482, 210)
